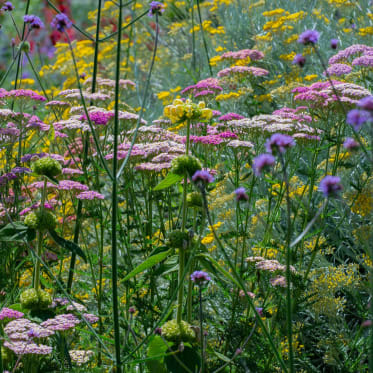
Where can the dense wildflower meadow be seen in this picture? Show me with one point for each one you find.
(186, 186)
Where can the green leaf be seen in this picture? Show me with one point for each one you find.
(189, 357)
(68, 245)
(222, 357)
(156, 351)
(16, 232)
(148, 263)
(169, 180)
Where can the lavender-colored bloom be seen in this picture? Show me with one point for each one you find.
(279, 142)
(356, 118)
(200, 277)
(309, 37)
(263, 161)
(90, 195)
(338, 69)
(241, 194)
(260, 311)
(8, 313)
(334, 43)
(61, 22)
(330, 185)
(299, 60)
(204, 176)
(230, 116)
(8, 7)
(156, 8)
(366, 103)
(33, 21)
(351, 144)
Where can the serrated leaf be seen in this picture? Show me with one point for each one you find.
(68, 245)
(148, 263)
(168, 181)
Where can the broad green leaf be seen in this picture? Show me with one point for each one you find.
(156, 351)
(148, 263)
(68, 245)
(222, 357)
(189, 357)
(16, 231)
(169, 180)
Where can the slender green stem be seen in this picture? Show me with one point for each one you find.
(201, 331)
(114, 248)
(144, 100)
(85, 151)
(203, 37)
(288, 261)
(183, 225)
(242, 285)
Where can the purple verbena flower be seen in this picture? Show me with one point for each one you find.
(309, 37)
(200, 277)
(7, 7)
(156, 8)
(34, 21)
(334, 43)
(261, 162)
(204, 176)
(61, 22)
(330, 186)
(279, 143)
(299, 60)
(241, 194)
(356, 118)
(351, 144)
(366, 103)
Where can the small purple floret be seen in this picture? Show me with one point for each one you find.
(356, 118)
(331, 186)
(241, 194)
(203, 176)
(200, 277)
(279, 143)
(299, 60)
(156, 8)
(366, 103)
(34, 21)
(263, 161)
(309, 37)
(334, 43)
(61, 22)
(351, 144)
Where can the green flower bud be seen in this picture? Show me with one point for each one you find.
(45, 299)
(178, 239)
(25, 47)
(41, 220)
(29, 299)
(194, 199)
(185, 164)
(174, 332)
(47, 167)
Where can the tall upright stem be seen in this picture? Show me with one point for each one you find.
(183, 224)
(85, 151)
(114, 249)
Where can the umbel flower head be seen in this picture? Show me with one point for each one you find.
(47, 167)
(181, 111)
(61, 22)
(173, 331)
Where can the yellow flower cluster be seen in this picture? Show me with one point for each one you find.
(181, 111)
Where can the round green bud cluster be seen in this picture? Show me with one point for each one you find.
(41, 220)
(194, 199)
(25, 46)
(47, 167)
(185, 164)
(33, 299)
(178, 239)
(182, 332)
